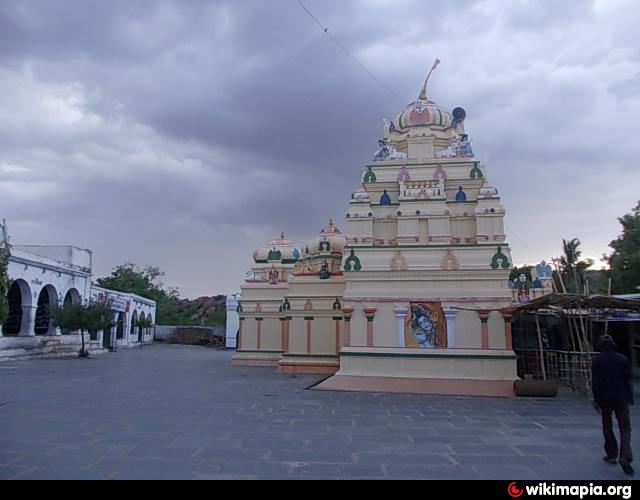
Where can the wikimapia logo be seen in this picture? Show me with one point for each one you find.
(581, 491)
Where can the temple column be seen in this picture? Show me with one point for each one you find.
(401, 315)
(286, 333)
(347, 313)
(370, 314)
(259, 331)
(450, 314)
(308, 319)
(484, 321)
(337, 319)
(239, 339)
(282, 332)
(508, 337)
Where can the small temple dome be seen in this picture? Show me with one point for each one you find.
(330, 240)
(280, 249)
(424, 112)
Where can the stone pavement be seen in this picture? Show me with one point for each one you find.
(177, 412)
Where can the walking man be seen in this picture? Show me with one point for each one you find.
(613, 393)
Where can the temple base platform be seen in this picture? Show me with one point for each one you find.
(256, 358)
(464, 372)
(309, 363)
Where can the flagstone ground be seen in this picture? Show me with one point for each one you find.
(177, 412)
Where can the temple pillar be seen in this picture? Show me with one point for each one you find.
(309, 320)
(283, 333)
(337, 319)
(287, 333)
(347, 313)
(239, 339)
(484, 321)
(508, 337)
(401, 315)
(450, 314)
(259, 332)
(370, 314)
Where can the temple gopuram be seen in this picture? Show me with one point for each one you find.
(408, 296)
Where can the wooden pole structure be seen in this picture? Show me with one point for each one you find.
(541, 348)
(606, 313)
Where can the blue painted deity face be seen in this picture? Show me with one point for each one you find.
(426, 324)
(424, 331)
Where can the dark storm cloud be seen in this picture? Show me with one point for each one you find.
(185, 134)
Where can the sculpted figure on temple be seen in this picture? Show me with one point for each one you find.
(464, 148)
(273, 276)
(450, 152)
(325, 274)
(388, 152)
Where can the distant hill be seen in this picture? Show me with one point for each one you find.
(203, 310)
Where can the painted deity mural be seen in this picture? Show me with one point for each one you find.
(426, 326)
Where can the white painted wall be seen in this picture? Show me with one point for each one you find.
(59, 270)
(233, 320)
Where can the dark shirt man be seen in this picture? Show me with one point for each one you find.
(613, 393)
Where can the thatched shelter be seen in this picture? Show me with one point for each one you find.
(572, 367)
(569, 303)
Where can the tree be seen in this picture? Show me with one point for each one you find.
(144, 323)
(624, 262)
(99, 317)
(82, 318)
(170, 309)
(572, 269)
(5, 282)
(130, 278)
(71, 317)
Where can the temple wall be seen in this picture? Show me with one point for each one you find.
(298, 336)
(358, 327)
(496, 331)
(270, 334)
(249, 338)
(468, 331)
(385, 326)
(323, 336)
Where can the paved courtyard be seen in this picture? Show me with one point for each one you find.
(176, 412)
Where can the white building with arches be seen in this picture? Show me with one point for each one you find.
(127, 309)
(42, 276)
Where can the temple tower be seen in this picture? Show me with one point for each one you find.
(426, 265)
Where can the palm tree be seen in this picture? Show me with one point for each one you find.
(570, 262)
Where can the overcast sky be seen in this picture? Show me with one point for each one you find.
(186, 134)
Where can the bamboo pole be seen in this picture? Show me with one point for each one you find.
(583, 330)
(606, 314)
(575, 331)
(544, 370)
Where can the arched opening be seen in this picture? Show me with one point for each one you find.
(48, 298)
(120, 326)
(19, 298)
(72, 297)
(134, 322)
